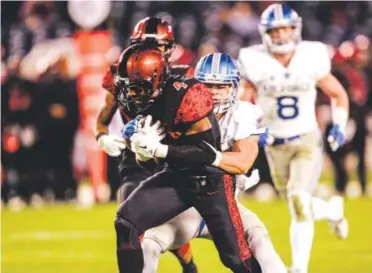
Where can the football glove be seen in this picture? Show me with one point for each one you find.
(148, 138)
(111, 144)
(265, 139)
(336, 138)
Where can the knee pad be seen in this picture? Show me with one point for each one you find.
(300, 205)
(151, 248)
(127, 235)
(151, 255)
(164, 236)
(257, 234)
(253, 226)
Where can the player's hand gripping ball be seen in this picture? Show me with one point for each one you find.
(146, 139)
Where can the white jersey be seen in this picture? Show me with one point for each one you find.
(286, 95)
(240, 122)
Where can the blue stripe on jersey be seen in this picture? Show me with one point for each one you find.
(201, 227)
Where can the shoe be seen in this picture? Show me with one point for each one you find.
(339, 223)
(341, 228)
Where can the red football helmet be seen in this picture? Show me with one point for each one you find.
(140, 76)
(155, 31)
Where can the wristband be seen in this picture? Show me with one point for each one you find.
(340, 117)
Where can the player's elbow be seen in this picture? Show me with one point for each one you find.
(244, 164)
(242, 168)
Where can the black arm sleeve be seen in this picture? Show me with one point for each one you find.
(198, 151)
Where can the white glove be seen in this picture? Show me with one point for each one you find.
(244, 182)
(147, 140)
(143, 146)
(155, 130)
(111, 144)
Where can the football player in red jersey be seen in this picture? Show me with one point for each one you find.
(191, 151)
(153, 32)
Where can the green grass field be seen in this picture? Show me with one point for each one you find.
(66, 239)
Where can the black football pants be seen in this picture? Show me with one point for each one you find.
(130, 182)
(168, 193)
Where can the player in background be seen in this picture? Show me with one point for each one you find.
(240, 125)
(151, 31)
(284, 72)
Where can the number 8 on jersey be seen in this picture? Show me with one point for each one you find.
(287, 107)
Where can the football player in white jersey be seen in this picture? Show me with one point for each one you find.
(284, 72)
(240, 126)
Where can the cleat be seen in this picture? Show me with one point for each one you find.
(339, 223)
(341, 228)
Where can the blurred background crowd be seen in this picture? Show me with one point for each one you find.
(48, 68)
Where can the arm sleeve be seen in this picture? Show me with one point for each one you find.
(201, 152)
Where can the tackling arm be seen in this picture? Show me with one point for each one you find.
(242, 158)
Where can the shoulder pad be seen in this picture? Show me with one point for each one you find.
(196, 104)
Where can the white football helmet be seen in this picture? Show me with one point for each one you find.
(275, 16)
